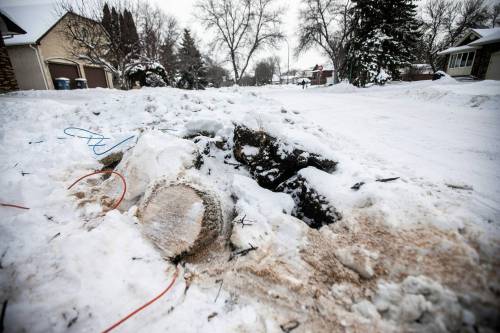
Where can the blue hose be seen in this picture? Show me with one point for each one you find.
(93, 137)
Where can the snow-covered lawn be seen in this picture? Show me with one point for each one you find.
(419, 253)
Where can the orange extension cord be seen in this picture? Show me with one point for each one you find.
(79, 179)
(106, 172)
(14, 206)
(133, 313)
(121, 321)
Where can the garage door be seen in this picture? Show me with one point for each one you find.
(64, 70)
(493, 72)
(95, 77)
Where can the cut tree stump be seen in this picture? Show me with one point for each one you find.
(180, 219)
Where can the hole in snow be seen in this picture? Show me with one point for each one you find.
(274, 165)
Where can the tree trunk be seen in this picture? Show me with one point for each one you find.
(336, 76)
(235, 68)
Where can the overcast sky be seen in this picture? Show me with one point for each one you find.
(183, 10)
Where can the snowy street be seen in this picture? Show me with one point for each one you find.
(411, 127)
(413, 247)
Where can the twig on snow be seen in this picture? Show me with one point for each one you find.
(243, 252)
(460, 187)
(357, 186)
(243, 223)
(290, 326)
(385, 180)
(218, 292)
(54, 237)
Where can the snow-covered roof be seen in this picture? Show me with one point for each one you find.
(457, 49)
(8, 27)
(486, 32)
(35, 19)
(488, 36)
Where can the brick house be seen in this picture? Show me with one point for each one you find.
(321, 75)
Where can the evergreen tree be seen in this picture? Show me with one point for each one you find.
(129, 38)
(123, 34)
(385, 37)
(132, 35)
(168, 59)
(191, 67)
(106, 18)
(115, 25)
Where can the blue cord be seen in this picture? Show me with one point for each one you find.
(90, 136)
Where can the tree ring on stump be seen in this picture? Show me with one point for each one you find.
(180, 219)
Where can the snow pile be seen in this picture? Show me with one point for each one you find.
(421, 304)
(156, 155)
(416, 185)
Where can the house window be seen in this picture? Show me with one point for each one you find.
(470, 59)
(452, 61)
(465, 59)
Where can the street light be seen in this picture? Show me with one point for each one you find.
(288, 61)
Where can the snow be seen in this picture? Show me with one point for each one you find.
(159, 155)
(489, 36)
(457, 49)
(250, 151)
(69, 264)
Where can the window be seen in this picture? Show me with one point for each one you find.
(453, 57)
(458, 60)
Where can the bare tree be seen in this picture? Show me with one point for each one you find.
(242, 27)
(463, 15)
(325, 23)
(82, 25)
(157, 34)
(495, 14)
(434, 15)
(156, 28)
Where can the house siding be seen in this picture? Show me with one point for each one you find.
(57, 48)
(31, 67)
(493, 72)
(480, 66)
(26, 67)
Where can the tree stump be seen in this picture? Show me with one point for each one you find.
(180, 219)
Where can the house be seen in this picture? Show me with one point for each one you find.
(276, 79)
(476, 55)
(321, 75)
(8, 29)
(45, 52)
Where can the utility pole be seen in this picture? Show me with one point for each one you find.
(288, 61)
